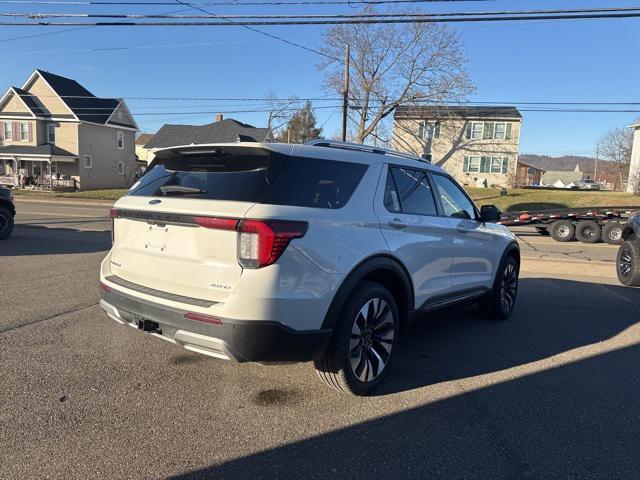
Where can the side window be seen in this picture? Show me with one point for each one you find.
(391, 199)
(412, 192)
(454, 202)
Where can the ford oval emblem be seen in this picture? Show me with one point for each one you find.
(155, 202)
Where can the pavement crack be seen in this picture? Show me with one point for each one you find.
(40, 320)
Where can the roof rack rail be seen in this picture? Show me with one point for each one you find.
(319, 142)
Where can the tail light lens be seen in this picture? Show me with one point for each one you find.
(260, 243)
(113, 214)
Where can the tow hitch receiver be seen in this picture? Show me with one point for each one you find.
(148, 326)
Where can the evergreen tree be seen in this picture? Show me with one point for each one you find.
(302, 126)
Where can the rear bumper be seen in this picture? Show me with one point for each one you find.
(239, 340)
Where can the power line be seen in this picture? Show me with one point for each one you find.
(261, 32)
(40, 15)
(249, 25)
(233, 4)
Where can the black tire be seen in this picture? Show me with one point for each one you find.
(562, 230)
(588, 231)
(628, 263)
(352, 357)
(6, 223)
(612, 233)
(500, 302)
(544, 231)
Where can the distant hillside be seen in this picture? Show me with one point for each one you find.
(567, 162)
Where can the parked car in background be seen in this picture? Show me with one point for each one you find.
(269, 252)
(628, 259)
(588, 184)
(7, 212)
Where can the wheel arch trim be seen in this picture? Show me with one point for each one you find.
(379, 262)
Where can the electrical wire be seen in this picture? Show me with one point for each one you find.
(241, 3)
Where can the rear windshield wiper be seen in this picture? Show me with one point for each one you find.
(178, 189)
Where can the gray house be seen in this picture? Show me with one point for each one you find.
(221, 131)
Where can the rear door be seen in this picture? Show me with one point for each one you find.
(413, 230)
(473, 242)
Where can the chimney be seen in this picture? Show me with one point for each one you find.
(219, 117)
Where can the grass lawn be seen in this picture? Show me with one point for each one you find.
(515, 201)
(529, 199)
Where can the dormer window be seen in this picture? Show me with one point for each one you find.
(51, 133)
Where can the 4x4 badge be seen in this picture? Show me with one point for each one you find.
(154, 202)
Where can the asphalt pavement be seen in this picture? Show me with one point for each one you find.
(551, 393)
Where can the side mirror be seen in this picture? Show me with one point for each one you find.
(490, 213)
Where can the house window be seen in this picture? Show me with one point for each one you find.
(51, 133)
(486, 165)
(8, 131)
(429, 130)
(120, 168)
(88, 161)
(120, 140)
(500, 131)
(477, 130)
(24, 132)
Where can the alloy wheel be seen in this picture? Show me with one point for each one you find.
(371, 341)
(563, 231)
(626, 262)
(508, 287)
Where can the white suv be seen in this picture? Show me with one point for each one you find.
(278, 253)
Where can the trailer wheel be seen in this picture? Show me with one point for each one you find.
(588, 231)
(628, 263)
(544, 231)
(612, 233)
(562, 230)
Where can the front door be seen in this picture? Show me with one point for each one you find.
(473, 245)
(414, 232)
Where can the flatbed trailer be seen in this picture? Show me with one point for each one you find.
(588, 225)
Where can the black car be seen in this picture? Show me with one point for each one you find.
(7, 212)
(628, 261)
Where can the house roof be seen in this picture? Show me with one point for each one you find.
(84, 104)
(46, 149)
(144, 138)
(28, 100)
(520, 162)
(224, 131)
(552, 176)
(456, 111)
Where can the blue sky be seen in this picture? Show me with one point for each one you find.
(587, 60)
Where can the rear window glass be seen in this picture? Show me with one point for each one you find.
(253, 175)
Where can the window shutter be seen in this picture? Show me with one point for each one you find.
(488, 130)
(507, 135)
(1, 131)
(16, 131)
(436, 133)
(505, 165)
(465, 165)
(421, 130)
(30, 128)
(468, 135)
(484, 164)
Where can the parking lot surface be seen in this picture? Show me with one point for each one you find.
(551, 393)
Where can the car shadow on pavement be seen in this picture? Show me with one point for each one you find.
(574, 416)
(36, 240)
(575, 421)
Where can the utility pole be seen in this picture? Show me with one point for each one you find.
(595, 173)
(345, 93)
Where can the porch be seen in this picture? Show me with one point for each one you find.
(39, 167)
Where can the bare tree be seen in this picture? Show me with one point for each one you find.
(616, 145)
(280, 110)
(393, 65)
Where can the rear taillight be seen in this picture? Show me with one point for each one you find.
(261, 242)
(218, 223)
(113, 214)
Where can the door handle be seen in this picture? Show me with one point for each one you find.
(397, 223)
(463, 229)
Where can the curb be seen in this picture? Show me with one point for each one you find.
(70, 201)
